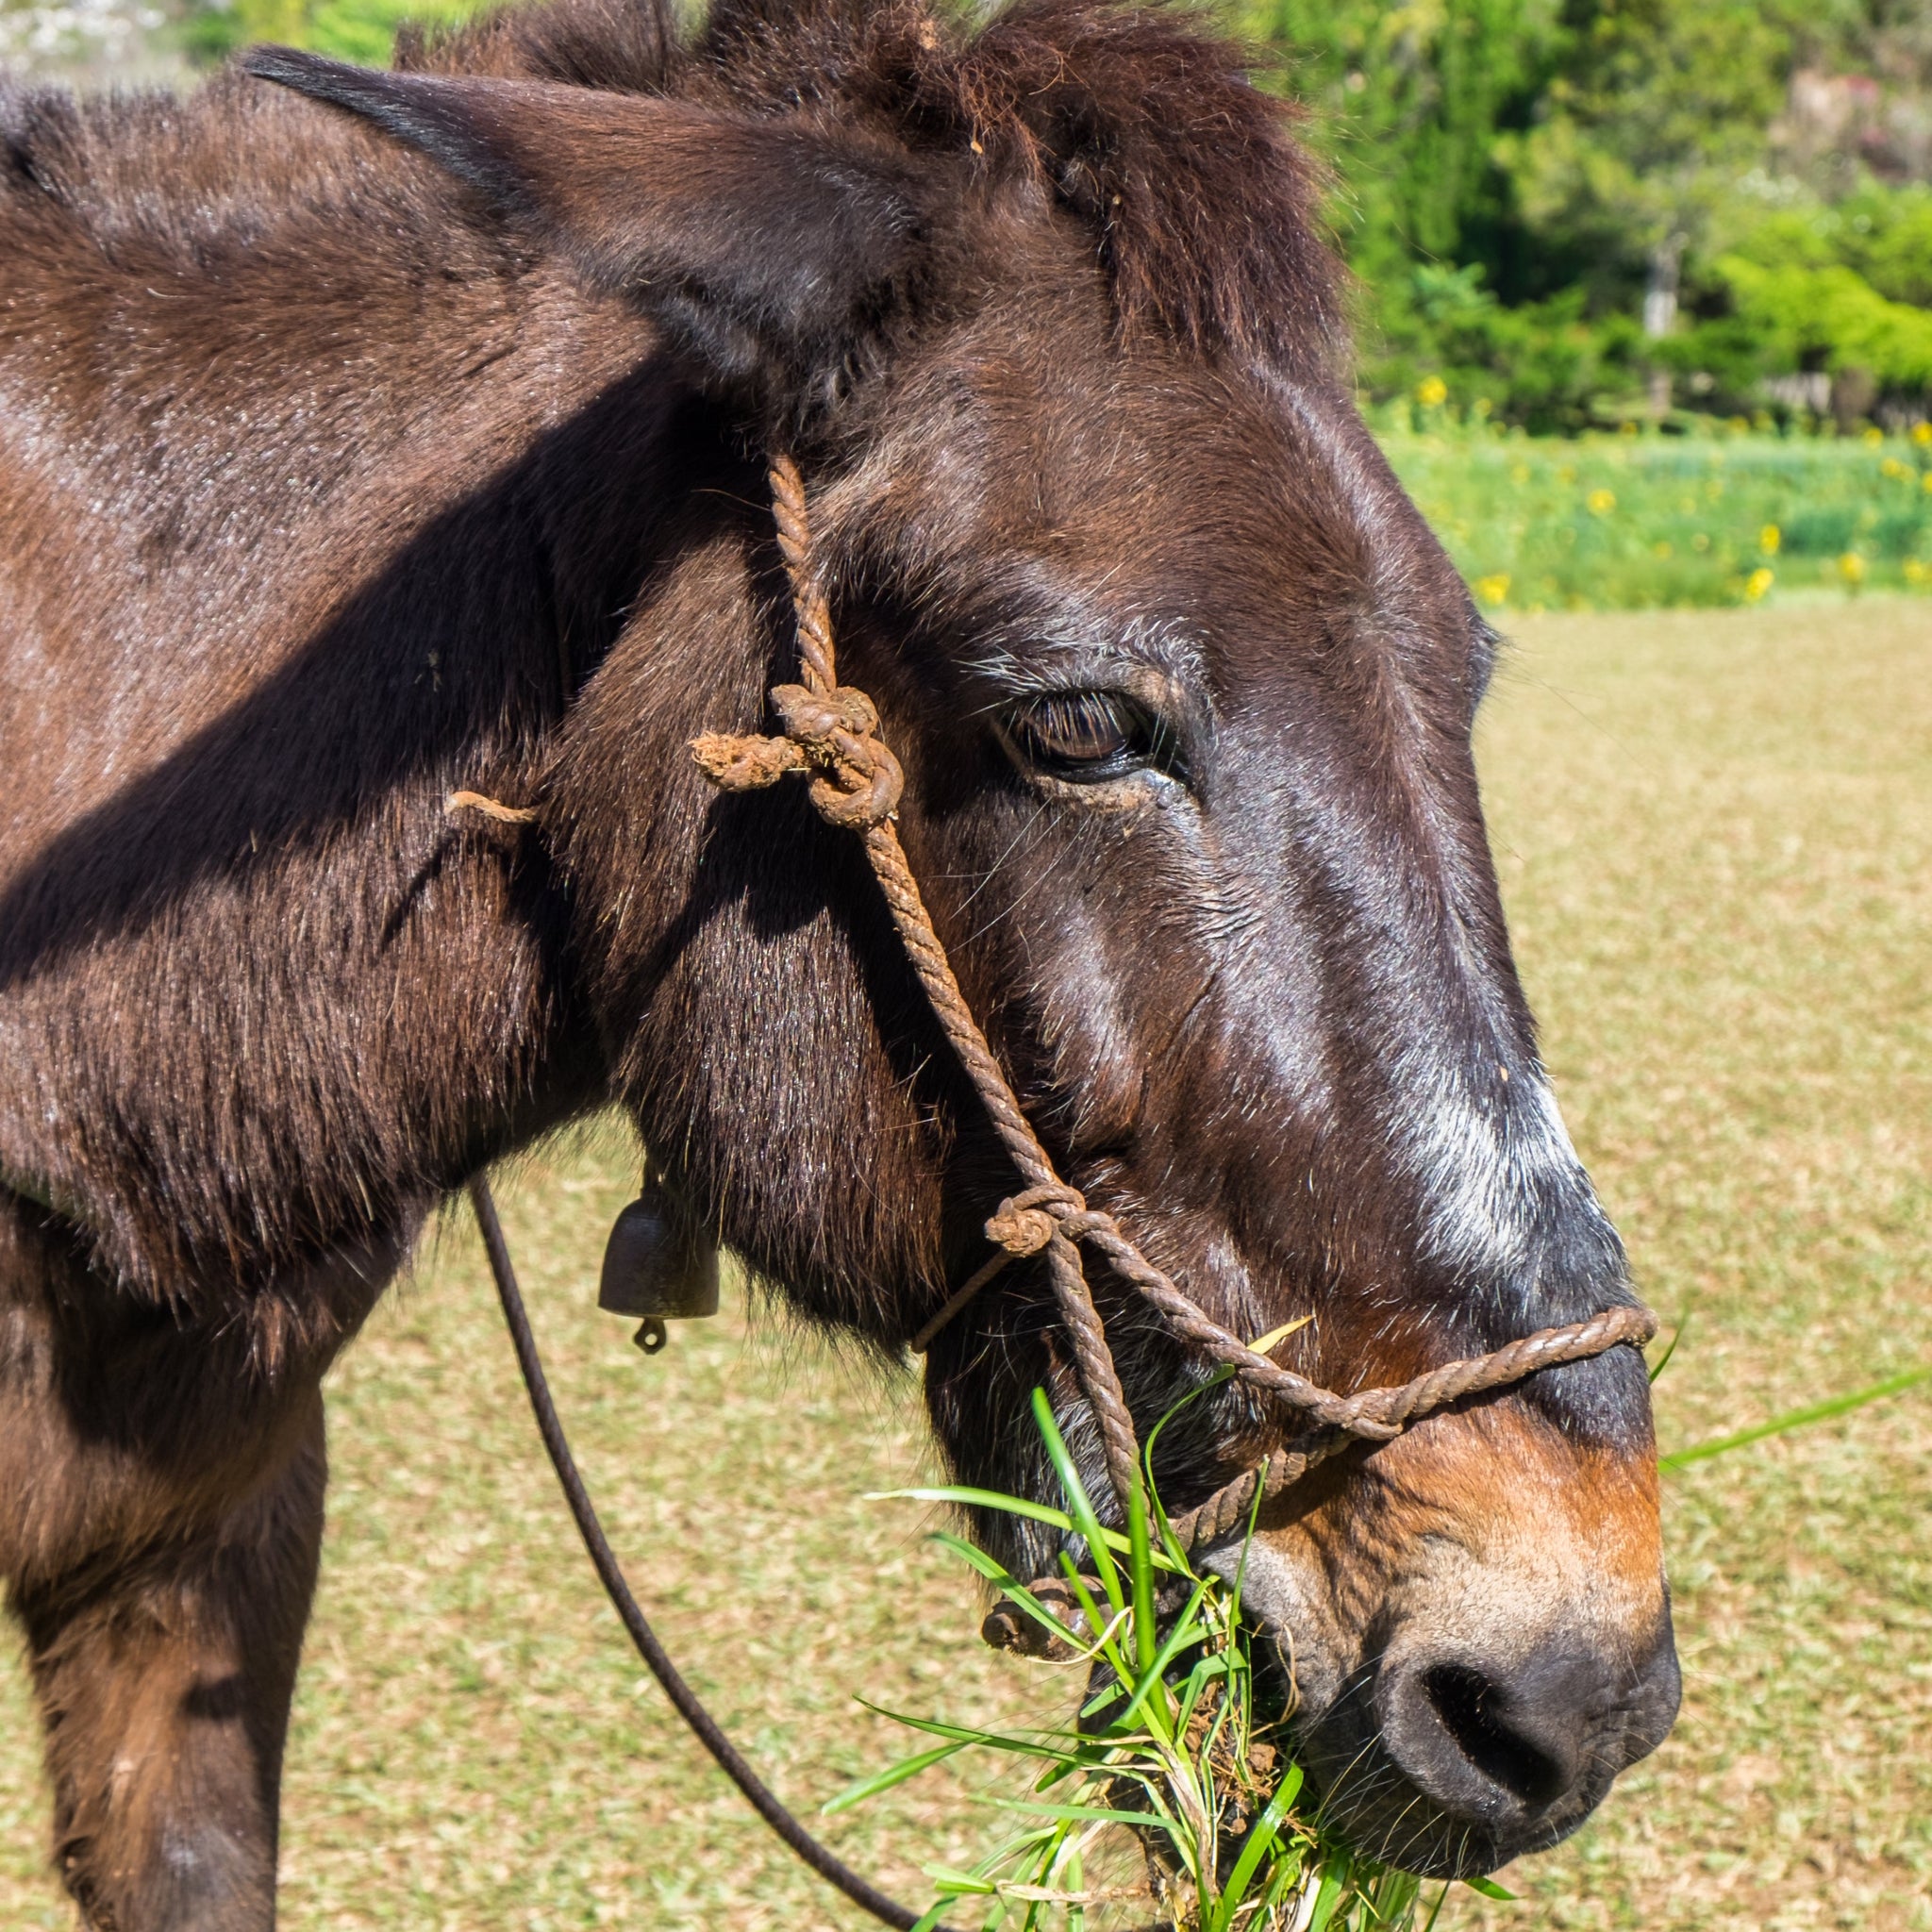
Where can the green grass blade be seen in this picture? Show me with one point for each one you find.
(972, 1555)
(1140, 1575)
(1663, 1361)
(1260, 1840)
(1043, 1875)
(965, 1734)
(1796, 1419)
(1186, 1631)
(1105, 1645)
(893, 1775)
(1241, 1569)
(1287, 1871)
(961, 1884)
(1489, 1889)
(1210, 1670)
(1328, 1892)
(981, 1499)
(1078, 1500)
(1394, 1902)
(1015, 1592)
(1174, 1556)
(1105, 1696)
(1078, 1814)
(1012, 1506)
(1048, 1835)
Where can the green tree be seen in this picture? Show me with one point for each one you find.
(1405, 101)
(1656, 107)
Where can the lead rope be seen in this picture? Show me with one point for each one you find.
(829, 1866)
(829, 731)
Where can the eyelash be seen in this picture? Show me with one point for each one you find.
(1088, 737)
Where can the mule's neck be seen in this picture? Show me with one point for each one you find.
(265, 995)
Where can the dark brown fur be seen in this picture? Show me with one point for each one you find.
(343, 465)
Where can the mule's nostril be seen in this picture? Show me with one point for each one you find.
(1501, 1740)
(1473, 1714)
(1454, 1758)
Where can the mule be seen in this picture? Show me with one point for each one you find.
(367, 438)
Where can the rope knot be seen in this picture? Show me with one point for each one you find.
(744, 763)
(1026, 1222)
(856, 782)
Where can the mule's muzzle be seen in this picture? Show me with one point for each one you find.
(1450, 1761)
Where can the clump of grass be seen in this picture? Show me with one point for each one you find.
(1170, 1747)
(1171, 1789)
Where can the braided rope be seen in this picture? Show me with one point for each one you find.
(1228, 1508)
(831, 731)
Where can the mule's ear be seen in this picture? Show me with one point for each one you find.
(773, 253)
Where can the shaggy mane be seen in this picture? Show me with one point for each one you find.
(1139, 118)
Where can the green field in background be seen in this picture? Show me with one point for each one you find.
(1632, 523)
(1715, 838)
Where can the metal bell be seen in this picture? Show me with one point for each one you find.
(658, 1266)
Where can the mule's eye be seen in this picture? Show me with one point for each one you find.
(1087, 736)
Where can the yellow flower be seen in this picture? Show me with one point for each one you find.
(1600, 503)
(1916, 572)
(1892, 467)
(1492, 589)
(1851, 567)
(1926, 482)
(1518, 473)
(1873, 437)
(1662, 549)
(1431, 392)
(1921, 432)
(1769, 539)
(1759, 581)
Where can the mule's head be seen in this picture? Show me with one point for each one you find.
(1184, 690)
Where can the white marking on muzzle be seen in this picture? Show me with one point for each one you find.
(1492, 1167)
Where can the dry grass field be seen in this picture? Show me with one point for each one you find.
(1715, 835)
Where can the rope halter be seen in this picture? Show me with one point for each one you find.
(830, 732)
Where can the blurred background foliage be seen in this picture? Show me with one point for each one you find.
(1573, 213)
(362, 30)
(1690, 239)
(1585, 213)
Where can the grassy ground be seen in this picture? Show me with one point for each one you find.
(1715, 834)
(1636, 523)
